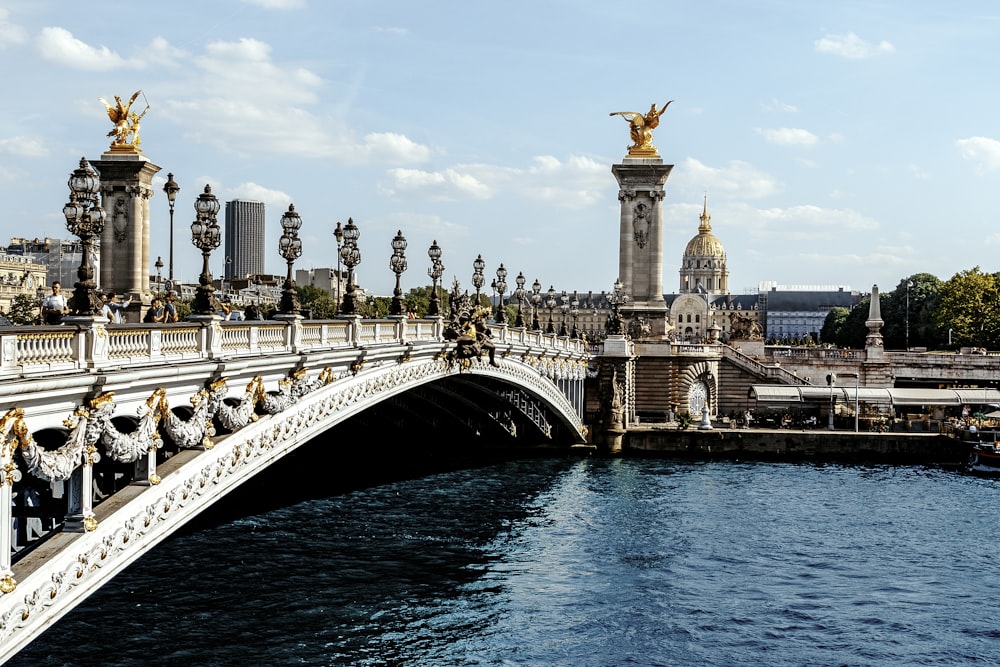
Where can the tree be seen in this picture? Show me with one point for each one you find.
(23, 309)
(970, 307)
(318, 301)
(833, 324)
(924, 331)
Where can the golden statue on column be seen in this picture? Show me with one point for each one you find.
(125, 134)
(641, 127)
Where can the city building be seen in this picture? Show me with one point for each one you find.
(59, 257)
(325, 279)
(21, 275)
(796, 311)
(244, 238)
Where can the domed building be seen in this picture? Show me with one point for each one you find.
(703, 308)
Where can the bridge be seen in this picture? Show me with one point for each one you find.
(115, 437)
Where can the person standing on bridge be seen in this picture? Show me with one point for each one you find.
(54, 306)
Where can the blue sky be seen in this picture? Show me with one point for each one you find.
(844, 143)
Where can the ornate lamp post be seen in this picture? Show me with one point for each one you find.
(40, 295)
(84, 218)
(501, 288)
(536, 301)
(519, 295)
(616, 299)
(290, 247)
(351, 257)
(477, 276)
(171, 188)
(550, 303)
(398, 264)
(159, 272)
(206, 236)
(338, 233)
(564, 307)
(435, 272)
(574, 311)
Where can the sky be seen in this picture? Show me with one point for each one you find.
(848, 143)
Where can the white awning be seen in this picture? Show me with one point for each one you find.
(846, 394)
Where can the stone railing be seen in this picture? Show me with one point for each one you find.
(37, 351)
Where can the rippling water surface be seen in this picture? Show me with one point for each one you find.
(573, 562)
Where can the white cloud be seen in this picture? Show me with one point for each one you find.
(575, 183)
(446, 185)
(273, 199)
(737, 179)
(392, 30)
(392, 147)
(778, 105)
(58, 45)
(788, 136)
(982, 150)
(10, 33)
(851, 46)
(277, 4)
(808, 223)
(23, 147)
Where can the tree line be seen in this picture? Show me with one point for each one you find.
(924, 311)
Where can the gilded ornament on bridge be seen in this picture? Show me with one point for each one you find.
(125, 133)
(641, 128)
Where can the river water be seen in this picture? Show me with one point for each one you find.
(572, 562)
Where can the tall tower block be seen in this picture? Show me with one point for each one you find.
(244, 238)
(640, 251)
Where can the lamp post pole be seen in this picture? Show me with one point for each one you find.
(351, 256)
(909, 284)
(290, 248)
(338, 233)
(398, 264)
(206, 236)
(171, 188)
(84, 218)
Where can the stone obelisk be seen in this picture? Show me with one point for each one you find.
(641, 176)
(126, 188)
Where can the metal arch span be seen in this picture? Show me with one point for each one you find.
(142, 516)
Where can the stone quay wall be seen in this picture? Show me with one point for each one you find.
(797, 446)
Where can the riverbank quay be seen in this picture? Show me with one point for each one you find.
(786, 445)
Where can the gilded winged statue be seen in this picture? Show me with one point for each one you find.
(641, 127)
(126, 129)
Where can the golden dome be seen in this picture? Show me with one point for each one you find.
(706, 244)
